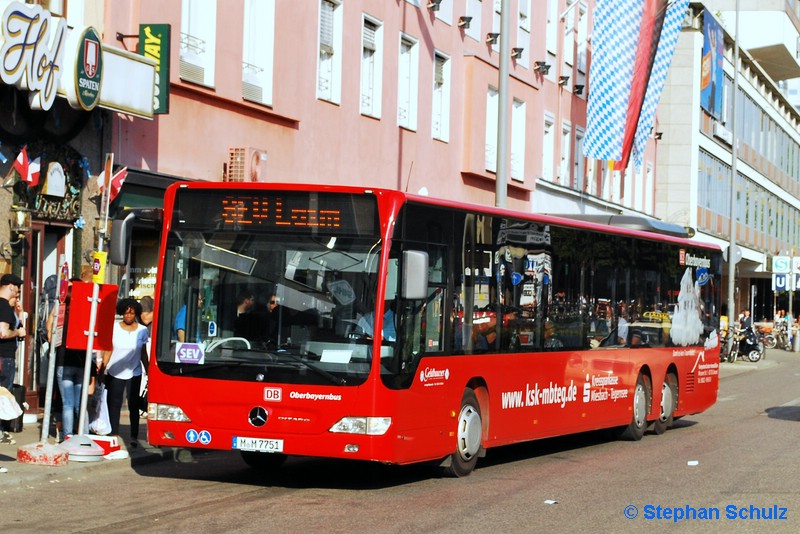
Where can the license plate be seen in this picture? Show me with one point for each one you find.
(257, 444)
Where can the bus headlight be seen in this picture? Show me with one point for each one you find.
(371, 426)
(166, 412)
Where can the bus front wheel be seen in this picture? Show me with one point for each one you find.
(468, 437)
(641, 407)
(263, 460)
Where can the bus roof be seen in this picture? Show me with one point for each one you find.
(640, 226)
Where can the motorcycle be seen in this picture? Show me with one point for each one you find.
(747, 345)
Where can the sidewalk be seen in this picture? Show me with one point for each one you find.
(19, 473)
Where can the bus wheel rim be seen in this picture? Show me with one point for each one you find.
(469, 432)
(666, 402)
(639, 406)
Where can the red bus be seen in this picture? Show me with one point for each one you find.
(370, 324)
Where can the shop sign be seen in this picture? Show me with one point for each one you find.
(66, 208)
(83, 82)
(88, 53)
(32, 51)
(55, 183)
(154, 42)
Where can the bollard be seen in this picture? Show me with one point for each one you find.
(795, 340)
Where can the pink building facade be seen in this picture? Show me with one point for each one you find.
(398, 94)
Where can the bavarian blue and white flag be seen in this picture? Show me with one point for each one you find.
(666, 48)
(615, 39)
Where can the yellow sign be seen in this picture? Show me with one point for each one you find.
(99, 267)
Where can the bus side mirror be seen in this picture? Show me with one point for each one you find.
(120, 243)
(122, 229)
(415, 275)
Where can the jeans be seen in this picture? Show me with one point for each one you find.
(7, 373)
(70, 384)
(118, 389)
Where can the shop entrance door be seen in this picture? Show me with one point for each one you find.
(46, 243)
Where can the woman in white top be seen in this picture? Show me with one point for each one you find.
(123, 365)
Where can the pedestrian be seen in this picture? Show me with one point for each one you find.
(10, 332)
(147, 311)
(180, 320)
(242, 323)
(70, 370)
(123, 366)
(746, 321)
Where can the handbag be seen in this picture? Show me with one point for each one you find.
(9, 408)
(100, 423)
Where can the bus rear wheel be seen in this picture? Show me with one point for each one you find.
(468, 437)
(669, 403)
(263, 460)
(641, 407)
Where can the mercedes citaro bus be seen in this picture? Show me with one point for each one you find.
(398, 328)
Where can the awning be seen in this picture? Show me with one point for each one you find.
(143, 189)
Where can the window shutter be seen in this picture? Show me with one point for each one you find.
(326, 27)
(369, 35)
(439, 70)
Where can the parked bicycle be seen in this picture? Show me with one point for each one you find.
(779, 337)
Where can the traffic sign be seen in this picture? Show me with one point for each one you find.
(782, 282)
(737, 254)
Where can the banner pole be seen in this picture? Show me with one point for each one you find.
(98, 275)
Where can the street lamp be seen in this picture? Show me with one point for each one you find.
(732, 252)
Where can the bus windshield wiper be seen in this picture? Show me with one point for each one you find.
(322, 372)
(197, 369)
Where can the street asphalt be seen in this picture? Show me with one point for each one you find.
(22, 472)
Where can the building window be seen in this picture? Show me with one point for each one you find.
(496, 25)
(548, 148)
(583, 37)
(524, 33)
(638, 193)
(606, 185)
(258, 48)
(627, 177)
(615, 187)
(55, 7)
(566, 152)
(440, 116)
(408, 82)
(569, 34)
(371, 67)
(492, 99)
(198, 41)
(591, 177)
(474, 8)
(445, 11)
(518, 140)
(329, 66)
(579, 180)
(551, 34)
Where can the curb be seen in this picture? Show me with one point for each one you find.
(22, 474)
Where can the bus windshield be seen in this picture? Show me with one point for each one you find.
(273, 287)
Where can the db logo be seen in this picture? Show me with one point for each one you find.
(272, 394)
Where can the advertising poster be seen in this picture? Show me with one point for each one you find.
(712, 82)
